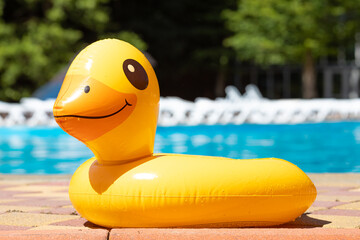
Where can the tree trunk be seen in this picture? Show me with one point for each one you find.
(309, 76)
(221, 78)
(220, 83)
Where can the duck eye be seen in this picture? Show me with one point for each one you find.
(136, 74)
(87, 89)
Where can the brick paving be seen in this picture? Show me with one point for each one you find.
(38, 207)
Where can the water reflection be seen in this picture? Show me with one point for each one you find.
(39, 151)
(326, 147)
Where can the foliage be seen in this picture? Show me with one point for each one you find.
(39, 37)
(279, 31)
(185, 38)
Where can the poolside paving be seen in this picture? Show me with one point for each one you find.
(38, 207)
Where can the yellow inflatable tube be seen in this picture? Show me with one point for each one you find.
(109, 100)
(164, 191)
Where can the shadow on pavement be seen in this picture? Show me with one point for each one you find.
(304, 221)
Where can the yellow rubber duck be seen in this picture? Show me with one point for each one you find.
(109, 100)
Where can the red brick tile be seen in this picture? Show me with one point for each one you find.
(81, 222)
(73, 223)
(338, 212)
(43, 203)
(327, 204)
(8, 194)
(55, 234)
(12, 228)
(238, 234)
(332, 189)
(66, 183)
(63, 191)
(340, 193)
(59, 210)
(22, 200)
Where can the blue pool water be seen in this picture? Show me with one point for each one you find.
(315, 148)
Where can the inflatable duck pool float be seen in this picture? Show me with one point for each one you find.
(109, 100)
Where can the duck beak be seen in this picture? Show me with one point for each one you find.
(86, 108)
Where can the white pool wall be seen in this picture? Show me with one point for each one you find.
(235, 108)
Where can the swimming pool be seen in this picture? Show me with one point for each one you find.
(315, 148)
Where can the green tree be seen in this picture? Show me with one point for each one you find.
(185, 38)
(39, 37)
(295, 31)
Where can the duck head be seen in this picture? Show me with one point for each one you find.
(109, 100)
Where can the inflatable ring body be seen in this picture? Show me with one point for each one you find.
(184, 190)
(109, 100)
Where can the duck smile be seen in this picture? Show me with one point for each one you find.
(96, 117)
